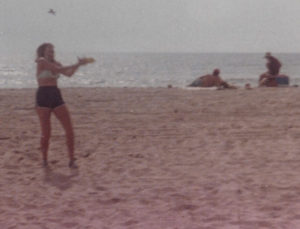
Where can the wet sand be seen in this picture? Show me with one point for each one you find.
(154, 158)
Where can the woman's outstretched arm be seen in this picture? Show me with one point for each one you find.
(57, 68)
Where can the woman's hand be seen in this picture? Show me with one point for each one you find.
(84, 61)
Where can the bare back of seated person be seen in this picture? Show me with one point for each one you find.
(211, 80)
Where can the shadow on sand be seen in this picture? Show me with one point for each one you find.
(60, 180)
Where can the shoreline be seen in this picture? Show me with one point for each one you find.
(154, 158)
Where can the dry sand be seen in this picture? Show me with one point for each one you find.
(154, 158)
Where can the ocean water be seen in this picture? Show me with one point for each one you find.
(149, 69)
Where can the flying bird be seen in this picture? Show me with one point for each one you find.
(51, 11)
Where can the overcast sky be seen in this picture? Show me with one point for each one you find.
(151, 25)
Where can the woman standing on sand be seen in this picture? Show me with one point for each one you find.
(49, 99)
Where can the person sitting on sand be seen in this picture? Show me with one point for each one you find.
(211, 80)
(268, 78)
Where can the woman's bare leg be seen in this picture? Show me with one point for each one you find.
(44, 116)
(63, 115)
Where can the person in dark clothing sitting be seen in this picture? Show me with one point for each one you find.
(273, 64)
(271, 78)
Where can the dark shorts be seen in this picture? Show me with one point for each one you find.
(49, 96)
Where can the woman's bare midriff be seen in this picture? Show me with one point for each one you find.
(47, 82)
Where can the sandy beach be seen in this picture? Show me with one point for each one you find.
(154, 158)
